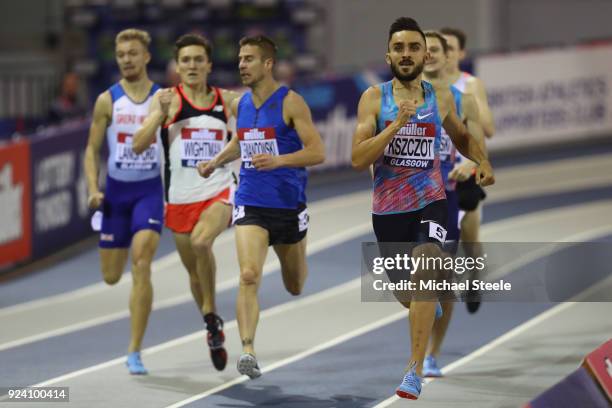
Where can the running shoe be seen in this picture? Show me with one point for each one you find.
(215, 339)
(134, 364)
(430, 367)
(247, 365)
(439, 312)
(411, 386)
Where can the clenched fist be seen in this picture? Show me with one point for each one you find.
(95, 199)
(405, 111)
(165, 99)
(484, 174)
(206, 168)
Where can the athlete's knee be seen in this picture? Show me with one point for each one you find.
(294, 287)
(249, 277)
(142, 256)
(141, 263)
(111, 275)
(201, 244)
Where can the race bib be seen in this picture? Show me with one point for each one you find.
(126, 159)
(256, 141)
(412, 146)
(303, 219)
(447, 151)
(200, 145)
(436, 231)
(238, 213)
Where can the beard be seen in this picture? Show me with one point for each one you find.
(418, 69)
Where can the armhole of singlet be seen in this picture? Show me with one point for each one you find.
(287, 125)
(238, 108)
(383, 94)
(222, 103)
(178, 112)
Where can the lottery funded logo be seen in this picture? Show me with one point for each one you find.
(412, 146)
(126, 159)
(256, 141)
(200, 144)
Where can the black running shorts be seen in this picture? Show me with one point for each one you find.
(284, 226)
(425, 225)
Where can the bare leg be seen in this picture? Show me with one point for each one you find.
(293, 265)
(252, 246)
(144, 245)
(213, 221)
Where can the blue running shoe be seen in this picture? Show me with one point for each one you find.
(430, 367)
(411, 386)
(134, 364)
(439, 312)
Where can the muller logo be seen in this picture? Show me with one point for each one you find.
(246, 134)
(416, 129)
(201, 134)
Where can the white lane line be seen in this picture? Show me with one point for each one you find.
(330, 241)
(172, 259)
(296, 357)
(507, 336)
(331, 204)
(199, 335)
(270, 267)
(549, 249)
(268, 312)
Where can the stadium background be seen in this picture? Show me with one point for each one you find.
(546, 65)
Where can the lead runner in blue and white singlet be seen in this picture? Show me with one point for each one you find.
(402, 113)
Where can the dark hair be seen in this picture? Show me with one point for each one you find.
(435, 34)
(192, 39)
(405, 24)
(457, 33)
(265, 44)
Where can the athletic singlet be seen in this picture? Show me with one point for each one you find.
(127, 116)
(448, 152)
(195, 134)
(407, 176)
(260, 131)
(461, 82)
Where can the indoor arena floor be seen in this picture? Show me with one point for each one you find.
(60, 326)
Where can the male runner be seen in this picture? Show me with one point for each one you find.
(194, 119)
(132, 204)
(276, 140)
(435, 73)
(398, 130)
(463, 171)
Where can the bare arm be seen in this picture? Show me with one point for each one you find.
(366, 147)
(462, 139)
(158, 113)
(296, 113)
(101, 118)
(299, 116)
(230, 152)
(473, 120)
(462, 171)
(477, 88)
